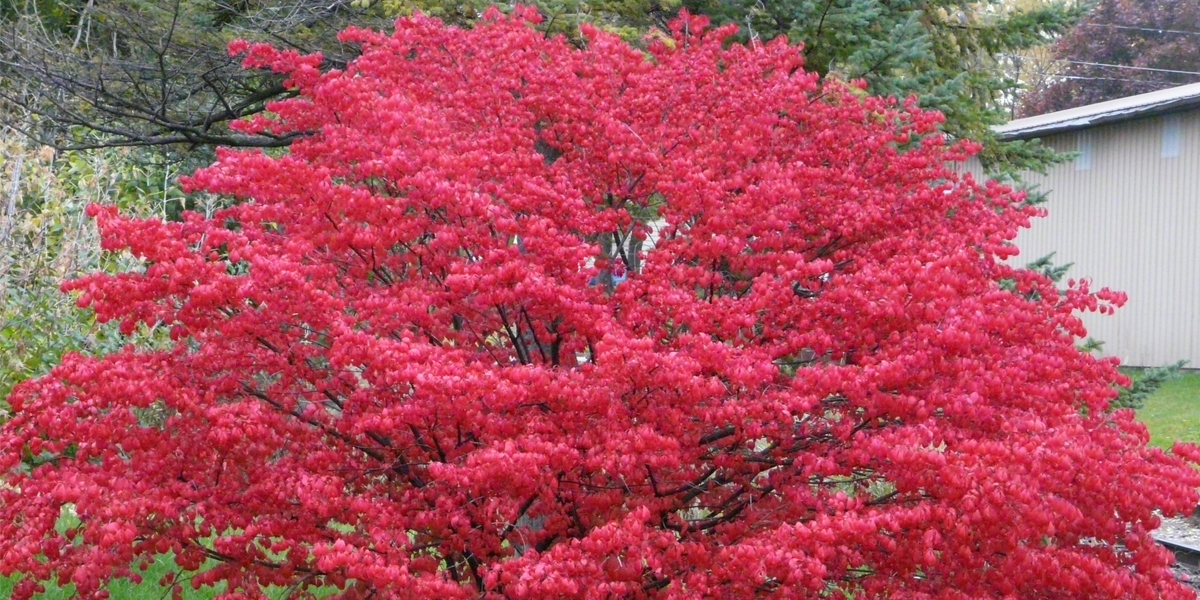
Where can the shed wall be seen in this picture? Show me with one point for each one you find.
(1126, 212)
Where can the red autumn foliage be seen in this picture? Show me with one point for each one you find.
(389, 372)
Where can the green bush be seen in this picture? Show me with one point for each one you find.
(45, 238)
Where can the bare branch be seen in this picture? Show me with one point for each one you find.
(129, 73)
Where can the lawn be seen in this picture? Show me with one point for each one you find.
(121, 589)
(149, 588)
(1173, 412)
(124, 589)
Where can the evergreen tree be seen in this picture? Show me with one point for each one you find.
(949, 53)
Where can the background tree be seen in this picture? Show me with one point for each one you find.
(1123, 48)
(951, 54)
(1032, 67)
(389, 373)
(129, 72)
(45, 238)
(157, 73)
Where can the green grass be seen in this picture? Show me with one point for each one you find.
(1173, 412)
(124, 589)
(121, 589)
(149, 589)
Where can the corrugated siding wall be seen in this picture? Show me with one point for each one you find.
(1126, 212)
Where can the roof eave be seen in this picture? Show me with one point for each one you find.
(1044, 125)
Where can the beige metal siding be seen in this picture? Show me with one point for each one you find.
(1131, 222)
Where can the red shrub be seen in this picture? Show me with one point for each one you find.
(401, 366)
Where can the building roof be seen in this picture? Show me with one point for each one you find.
(1122, 109)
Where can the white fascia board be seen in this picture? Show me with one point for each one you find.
(1176, 98)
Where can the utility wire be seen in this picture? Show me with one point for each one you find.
(1096, 64)
(1157, 84)
(1132, 28)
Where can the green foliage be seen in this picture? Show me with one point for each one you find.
(45, 238)
(946, 52)
(56, 15)
(149, 588)
(1046, 266)
(124, 589)
(1145, 383)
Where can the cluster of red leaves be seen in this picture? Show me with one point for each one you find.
(390, 373)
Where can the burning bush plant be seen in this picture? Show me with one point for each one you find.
(515, 319)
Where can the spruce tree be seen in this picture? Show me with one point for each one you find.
(951, 54)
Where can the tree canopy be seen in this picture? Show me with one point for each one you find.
(1122, 48)
(129, 72)
(394, 369)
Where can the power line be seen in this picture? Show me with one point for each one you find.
(1131, 27)
(1095, 64)
(1157, 84)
